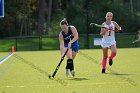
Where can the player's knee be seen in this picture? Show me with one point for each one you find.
(105, 57)
(69, 55)
(73, 56)
(114, 53)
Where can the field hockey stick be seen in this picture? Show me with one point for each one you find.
(50, 77)
(96, 25)
(100, 26)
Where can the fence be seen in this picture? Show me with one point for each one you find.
(34, 43)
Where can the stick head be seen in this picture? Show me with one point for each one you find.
(92, 24)
(50, 77)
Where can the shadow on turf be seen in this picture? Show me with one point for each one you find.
(118, 74)
(113, 72)
(78, 79)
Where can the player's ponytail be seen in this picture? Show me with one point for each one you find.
(64, 22)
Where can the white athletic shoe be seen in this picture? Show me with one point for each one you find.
(67, 72)
(73, 73)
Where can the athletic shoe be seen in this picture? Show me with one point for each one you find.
(110, 62)
(67, 72)
(103, 70)
(73, 73)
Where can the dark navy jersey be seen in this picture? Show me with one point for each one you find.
(69, 36)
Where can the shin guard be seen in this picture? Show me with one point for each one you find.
(70, 64)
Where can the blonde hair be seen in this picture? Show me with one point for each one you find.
(109, 13)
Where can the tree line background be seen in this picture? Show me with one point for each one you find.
(42, 17)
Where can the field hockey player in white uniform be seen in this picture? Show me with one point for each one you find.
(108, 40)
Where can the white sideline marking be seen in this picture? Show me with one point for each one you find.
(21, 86)
(9, 86)
(5, 58)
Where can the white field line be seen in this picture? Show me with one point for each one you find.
(52, 85)
(5, 58)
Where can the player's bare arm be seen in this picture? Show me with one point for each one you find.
(61, 41)
(103, 30)
(75, 33)
(117, 26)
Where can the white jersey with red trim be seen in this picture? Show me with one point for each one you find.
(109, 37)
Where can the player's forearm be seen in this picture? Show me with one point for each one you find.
(61, 49)
(74, 39)
(103, 32)
(117, 26)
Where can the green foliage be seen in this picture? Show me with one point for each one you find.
(21, 16)
(55, 27)
(76, 14)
